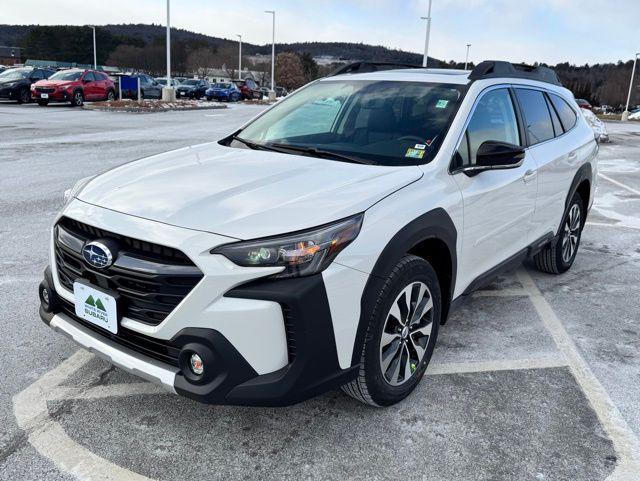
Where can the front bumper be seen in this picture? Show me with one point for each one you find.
(10, 93)
(57, 96)
(312, 368)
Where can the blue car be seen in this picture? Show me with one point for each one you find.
(224, 91)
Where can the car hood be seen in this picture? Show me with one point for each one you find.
(15, 81)
(53, 83)
(186, 87)
(243, 193)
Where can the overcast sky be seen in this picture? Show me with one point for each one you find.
(579, 31)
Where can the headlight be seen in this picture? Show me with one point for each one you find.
(33, 86)
(301, 254)
(75, 190)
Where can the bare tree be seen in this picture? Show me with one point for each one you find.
(201, 60)
(289, 71)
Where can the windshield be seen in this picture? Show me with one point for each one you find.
(190, 82)
(382, 122)
(162, 81)
(222, 86)
(66, 75)
(14, 74)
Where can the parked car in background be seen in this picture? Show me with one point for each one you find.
(225, 91)
(175, 83)
(583, 104)
(15, 83)
(192, 89)
(149, 87)
(249, 89)
(74, 86)
(265, 91)
(281, 92)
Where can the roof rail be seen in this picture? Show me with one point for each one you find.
(496, 68)
(367, 67)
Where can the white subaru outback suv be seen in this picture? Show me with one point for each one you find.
(323, 244)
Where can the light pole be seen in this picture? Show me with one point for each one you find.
(240, 57)
(425, 60)
(168, 93)
(466, 60)
(625, 114)
(273, 55)
(95, 55)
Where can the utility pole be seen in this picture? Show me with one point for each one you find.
(425, 60)
(625, 114)
(272, 93)
(466, 60)
(240, 57)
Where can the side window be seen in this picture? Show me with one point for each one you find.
(536, 114)
(494, 118)
(565, 112)
(557, 126)
(89, 77)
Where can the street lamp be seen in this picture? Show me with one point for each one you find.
(95, 56)
(425, 60)
(239, 56)
(466, 60)
(273, 54)
(625, 114)
(168, 93)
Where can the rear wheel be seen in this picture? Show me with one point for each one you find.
(401, 334)
(560, 255)
(111, 96)
(77, 99)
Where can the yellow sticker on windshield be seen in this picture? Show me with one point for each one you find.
(414, 154)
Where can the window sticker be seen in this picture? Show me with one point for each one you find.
(414, 154)
(420, 146)
(442, 104)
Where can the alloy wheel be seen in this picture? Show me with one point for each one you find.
(406, 333)
(571, 233)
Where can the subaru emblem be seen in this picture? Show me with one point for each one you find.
(97, 254)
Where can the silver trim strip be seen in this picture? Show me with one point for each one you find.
(124, 358)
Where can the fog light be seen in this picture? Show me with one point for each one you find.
(196, 364)
(45, 297)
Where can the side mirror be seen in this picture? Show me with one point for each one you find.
(494, 155)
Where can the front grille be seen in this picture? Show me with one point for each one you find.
(45, 90)
(151, 279)
(149, 346)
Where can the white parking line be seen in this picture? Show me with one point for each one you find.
(490, 366)
(624, 439)
(620, 184)
(618, 226)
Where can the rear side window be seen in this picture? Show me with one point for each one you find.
(536, 114)
(557, 126)
(565, 112)
(494, 118)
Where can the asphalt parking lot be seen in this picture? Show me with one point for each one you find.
(536, 377)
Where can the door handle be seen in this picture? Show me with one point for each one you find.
(529, 175)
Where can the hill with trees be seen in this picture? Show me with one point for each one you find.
(142, 46)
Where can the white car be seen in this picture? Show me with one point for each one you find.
(324, 243)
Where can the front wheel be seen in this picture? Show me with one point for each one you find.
(560, 255)
(24, 97)
(401, 334)
(77, 99)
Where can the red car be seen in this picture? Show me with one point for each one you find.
(583, 104)
(249, 89)
(74, 86)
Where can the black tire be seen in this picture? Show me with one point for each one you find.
(371, 386)
(111, 96)
(24, 96)
(43, 103)
(77, 99)
(555, 258)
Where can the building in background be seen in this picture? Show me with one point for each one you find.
(10, 55)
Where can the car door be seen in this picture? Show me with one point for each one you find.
(498, 205)
(89, 86)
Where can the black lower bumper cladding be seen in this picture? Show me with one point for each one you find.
(228, 378)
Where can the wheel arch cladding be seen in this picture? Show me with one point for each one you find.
(433, 237)
(582, 185)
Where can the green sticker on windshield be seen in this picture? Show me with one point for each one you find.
(442, 104)
(414, 154)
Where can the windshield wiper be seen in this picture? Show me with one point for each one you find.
(252, 145)
(325, 154)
